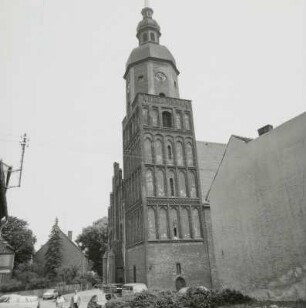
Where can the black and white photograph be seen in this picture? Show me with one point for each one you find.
(152, 153)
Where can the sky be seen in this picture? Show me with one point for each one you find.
(241, 62)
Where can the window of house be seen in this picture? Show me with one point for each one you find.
(140, 78)
(171, 183)
(152, 36)
(134, 273)
(161, 94)
(178, 118)
(167, 119)
(174, 223)
(145, 115)
(178, 269)
(145, 37)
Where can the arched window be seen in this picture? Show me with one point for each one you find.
(167, 119)
(169, 153)
(185, 223)
(145, 37)
(178, 119)
(152, 36)
(193, 187)
(196, 223)
(182, 184)
(163, 230)
(161, 94)
(151, 223)
(189, 152)
(174, 224)
(187, 121)
(149, 183)
(179, 154)
(158, 152)
(145, 117)
(160, 183)
(171, 184)
(154, 117)
(148, 150)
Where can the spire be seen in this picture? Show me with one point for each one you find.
(147, 3)
(148, 30)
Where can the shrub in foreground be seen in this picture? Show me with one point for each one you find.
(194, 298)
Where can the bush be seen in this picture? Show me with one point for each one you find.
(11, 286)
(194, 297)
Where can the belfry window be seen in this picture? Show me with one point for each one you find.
(152, 37)
(167, 119)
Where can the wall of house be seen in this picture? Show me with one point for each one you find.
(135, 256)
(163, 257)
(258, 212)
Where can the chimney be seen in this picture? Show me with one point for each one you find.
(70, 235)
(265, 129)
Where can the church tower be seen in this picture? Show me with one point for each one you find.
(166, 239)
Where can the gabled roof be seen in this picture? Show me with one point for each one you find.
(66, 238)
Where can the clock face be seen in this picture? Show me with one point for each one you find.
(160, 76)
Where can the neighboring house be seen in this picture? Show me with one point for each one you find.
(72, 255)
(258, 213)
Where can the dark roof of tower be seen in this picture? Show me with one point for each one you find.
(150, 51)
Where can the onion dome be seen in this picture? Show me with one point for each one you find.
(148, 34)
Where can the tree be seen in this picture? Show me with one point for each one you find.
(93, 239)
(21, 238)
(54, 252)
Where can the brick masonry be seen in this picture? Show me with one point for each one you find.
(162, 260)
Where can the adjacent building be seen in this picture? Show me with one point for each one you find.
(72, 255)
(258, 212)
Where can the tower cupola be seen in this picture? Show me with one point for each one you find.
(148, 30)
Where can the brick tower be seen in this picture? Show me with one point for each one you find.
(166, 239)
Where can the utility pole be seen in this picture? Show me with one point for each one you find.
(24, 142)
